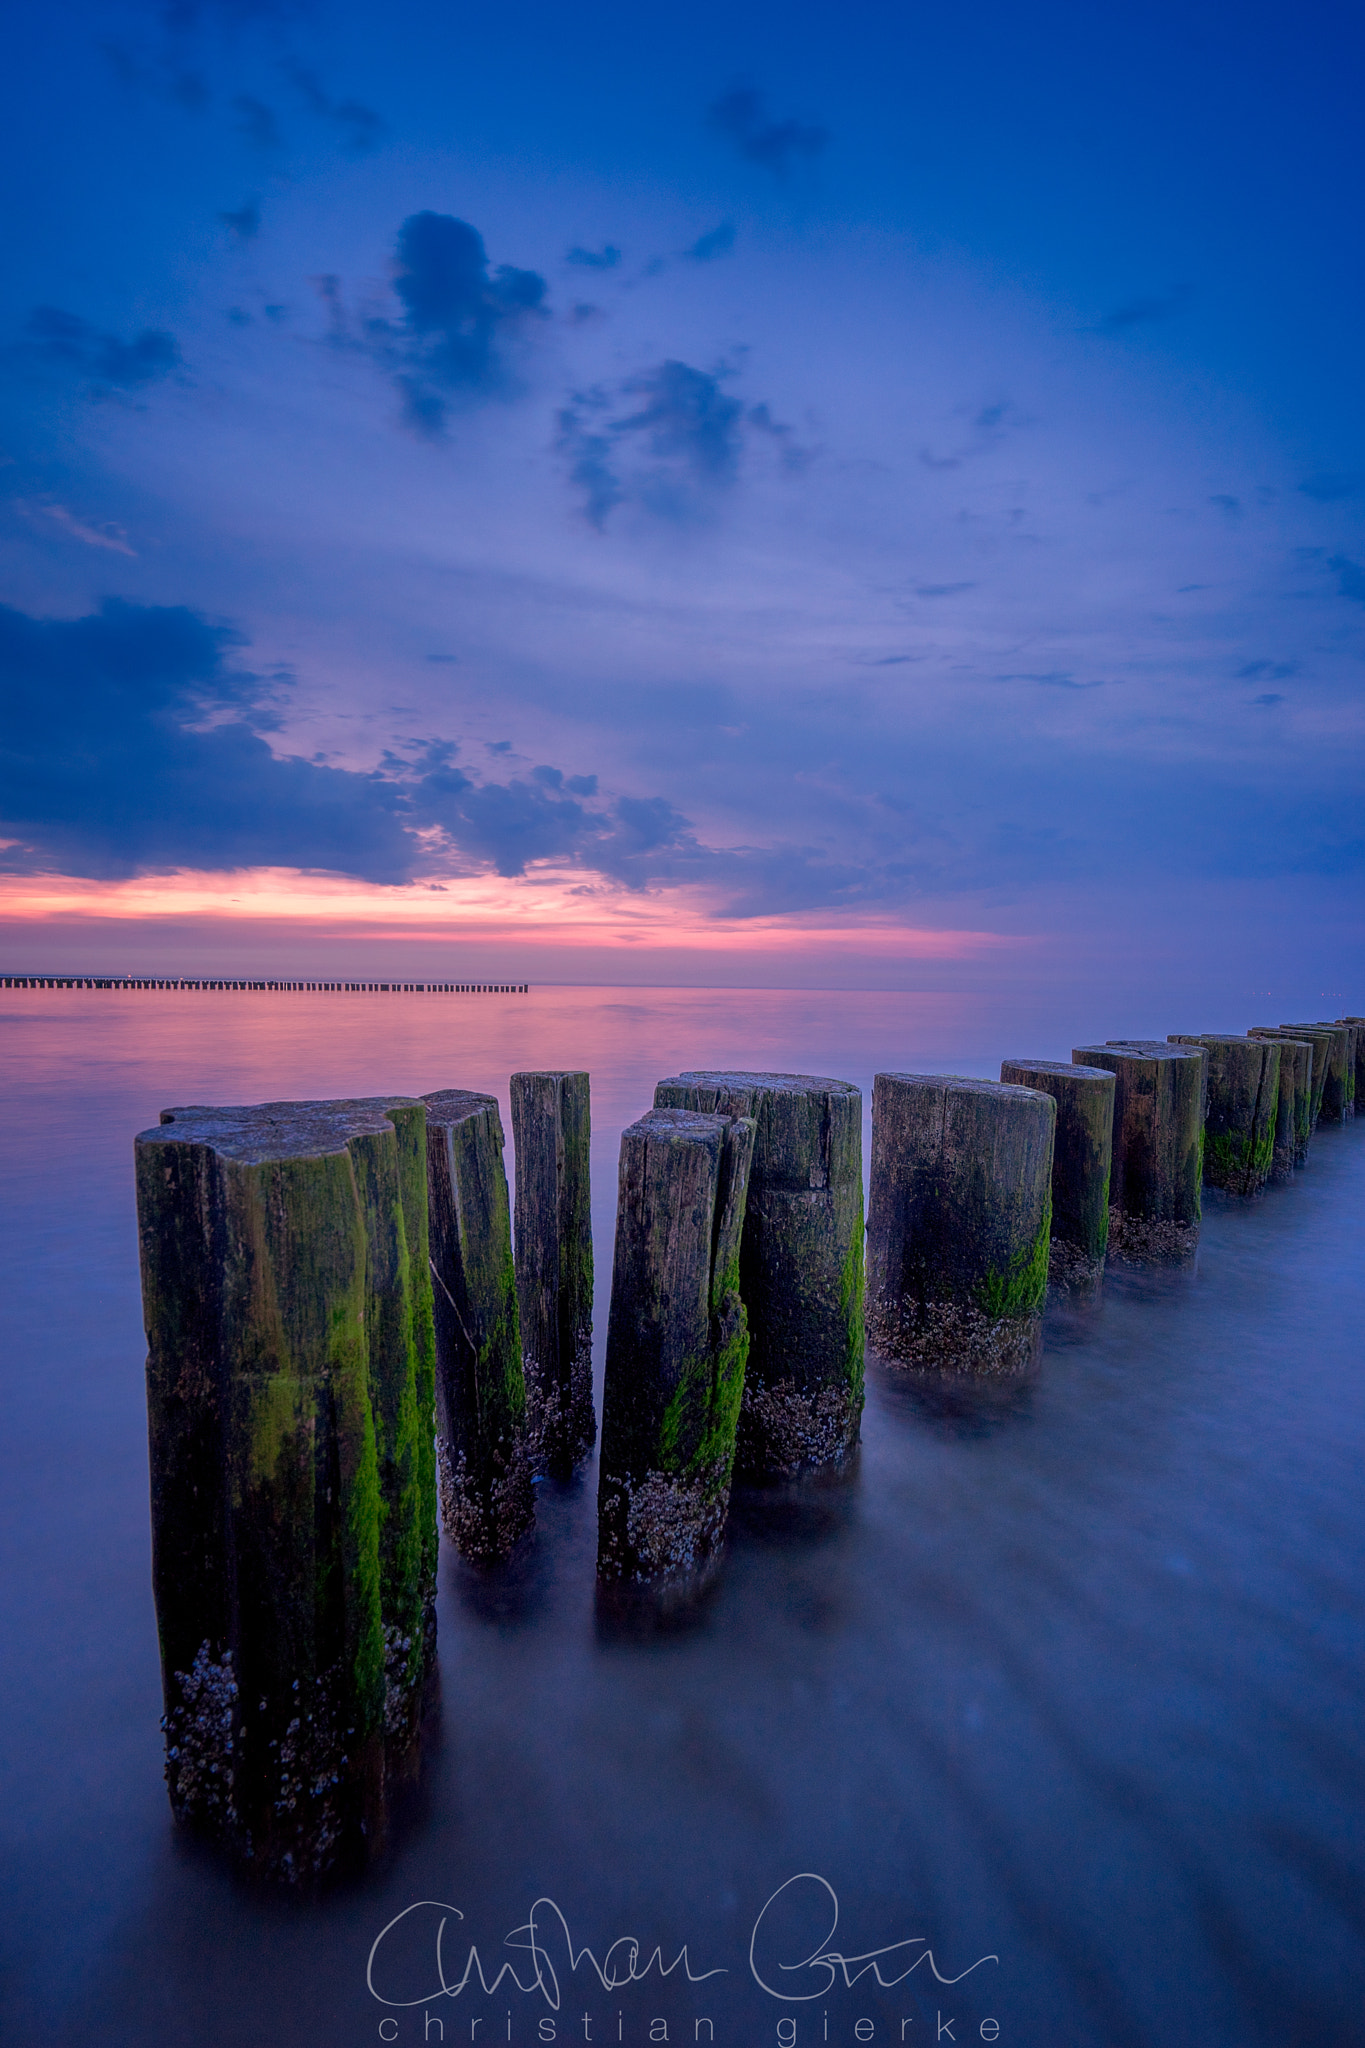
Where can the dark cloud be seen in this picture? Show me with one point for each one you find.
(1231, 506)
(133, 742)
(1269, 697)
(458, 317)
(130, 743)
(1350, 577)
(1271, 671)
(681, 441)
(719, 242)
(256, 121)
(63, 341)
(361, 128)
(605, 258)
(1140, 312)
(245, 223)
(741, 117)
(165, 75)
(946, 590)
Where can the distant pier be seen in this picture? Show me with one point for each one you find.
(338, 988)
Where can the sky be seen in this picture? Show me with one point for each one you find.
(861, 496)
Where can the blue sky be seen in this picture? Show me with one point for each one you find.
(795, 469)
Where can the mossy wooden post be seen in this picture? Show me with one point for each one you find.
(1300, 1062)
(1241, 1109)
(1357, 1025)
(959, 1222)
(1319, 1044)
(1154, 1192)
(1333, 1106)
(487, 1499)
(1339, 1088)
(800, 1264)
(677, 1339)
(551, 1130)
(287, 1303)
(1082, 1157)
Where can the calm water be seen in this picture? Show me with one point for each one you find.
(1071, 1679)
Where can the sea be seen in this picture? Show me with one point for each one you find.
(1045, 1725)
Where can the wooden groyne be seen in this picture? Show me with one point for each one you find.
(346, 1334)
(201, 985)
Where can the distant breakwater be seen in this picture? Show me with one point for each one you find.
(213, 984)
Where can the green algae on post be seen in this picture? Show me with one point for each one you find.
(487, 1498)
(1241, 1110)
(959, 1222)
(1081, 1163)
(286, 1297)
(1158, 1171)
(677, 1340)
(800, 1264)
(551, 1131)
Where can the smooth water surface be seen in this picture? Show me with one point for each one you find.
(1069, 1677)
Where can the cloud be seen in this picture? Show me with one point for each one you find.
(1274, 671)
(1231, 506)
(1053, 678)
(1269, 697)
(362, 129)
(1141, 311)
(740, 117)
(245, 223)
(256, 121)
(130, 743)
(681, 442)
(605, 258)
(64, 341)
(458, 317)
(947, 590)
(106, 535)
(1350, 577)
(719, 242)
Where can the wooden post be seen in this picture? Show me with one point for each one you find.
(287, 1301)
(551, 1130)
(959, 1222)
(1337, 1104)
(1357, 1025)
(676, 1346)
(487, 1498)
(1302, 1061)
(1154, 1194)
(1241, 1110)
(800, 1264)
(1082, 1160)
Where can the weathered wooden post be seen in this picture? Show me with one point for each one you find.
(800, 1263)
(287, 1300)
(1241, 1109)
(1341, 1065)
(677, 1339)
(551, 1130)
(1082, 1158)
(959, 1222)
(1154, 1195)
(487, 1498)
(1294, 1120)
(1357, 1092)
(1319, 1045)
(1333, 1107)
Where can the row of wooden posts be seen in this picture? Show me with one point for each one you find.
(325, 1281)
(201, 985)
